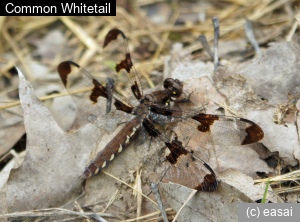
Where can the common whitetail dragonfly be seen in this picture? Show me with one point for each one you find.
(213, 129)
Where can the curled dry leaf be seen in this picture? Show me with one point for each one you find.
(54, 160)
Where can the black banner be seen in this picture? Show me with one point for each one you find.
(100, 8)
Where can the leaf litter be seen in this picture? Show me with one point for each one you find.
(58, 166)
(238, 94)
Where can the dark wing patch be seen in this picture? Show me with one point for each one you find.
(210, 182)
(213, 129)
(135, 90)
(112, 35)
(206, 121)
(64, 69)
(125, 64)
(150, 128)
(89, 95)
(123, 106)
(189, 170)
(254, 132)
(165, 111)
(116, 57)
(176, 150)
(97, 91)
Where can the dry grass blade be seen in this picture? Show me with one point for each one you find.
(165, 36)
(39, 23)
(52, 212)
(294, 27)
(80, 33)
(139, 196)
(77, 206)
(11, 63)
(128, 186)
(111, 200)
(292, 176)
(149, 215)
(43, 98)
(183, 205)
(16, 50)
(2, 19)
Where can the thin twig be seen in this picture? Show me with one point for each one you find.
(149, 215)
(157, 196)
(205, 45)
(52, 212)
(216, 24)
(16, 50)
(91, 205)
(139, 196)
(251, 37)
(42, 98)
(77, 206)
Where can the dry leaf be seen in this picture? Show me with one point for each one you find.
(221, 205)
(49, 175)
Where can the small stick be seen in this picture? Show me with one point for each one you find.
(205, 45)
(91, 205)
(77, 206)
(139, 196)
(161, 177)
(216, 24)
(251, 37)
(52, 212)
(187, 200)
(157, 196)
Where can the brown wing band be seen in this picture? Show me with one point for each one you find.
(209, 183)
(125, 64)
(122, 106)
(254, 132)
(150, 128)
(64, 69)
(176, 151)
(136, 90)
(206, 121)
(112, 35)
(97, 91)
